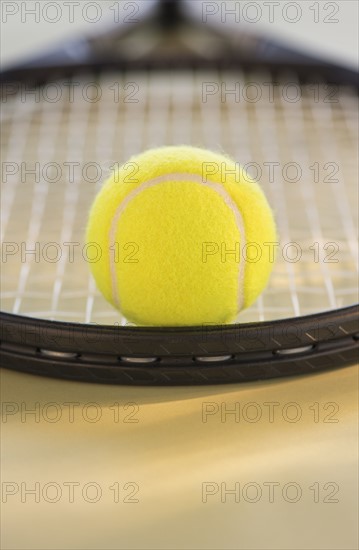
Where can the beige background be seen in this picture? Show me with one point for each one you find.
(169, 453)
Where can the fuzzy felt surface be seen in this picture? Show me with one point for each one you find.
(182, 233)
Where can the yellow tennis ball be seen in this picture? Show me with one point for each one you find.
(181, 234)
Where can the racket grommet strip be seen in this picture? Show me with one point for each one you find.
(58, 354)
(213, 358)
(139, 360)
(294, 351)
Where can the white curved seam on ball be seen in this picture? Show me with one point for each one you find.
(178, 177)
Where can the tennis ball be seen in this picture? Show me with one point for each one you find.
(180, 234)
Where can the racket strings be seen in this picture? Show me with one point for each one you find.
(56, 155)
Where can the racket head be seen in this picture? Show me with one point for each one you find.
(297, 136)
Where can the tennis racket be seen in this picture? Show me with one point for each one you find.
(171, 78)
